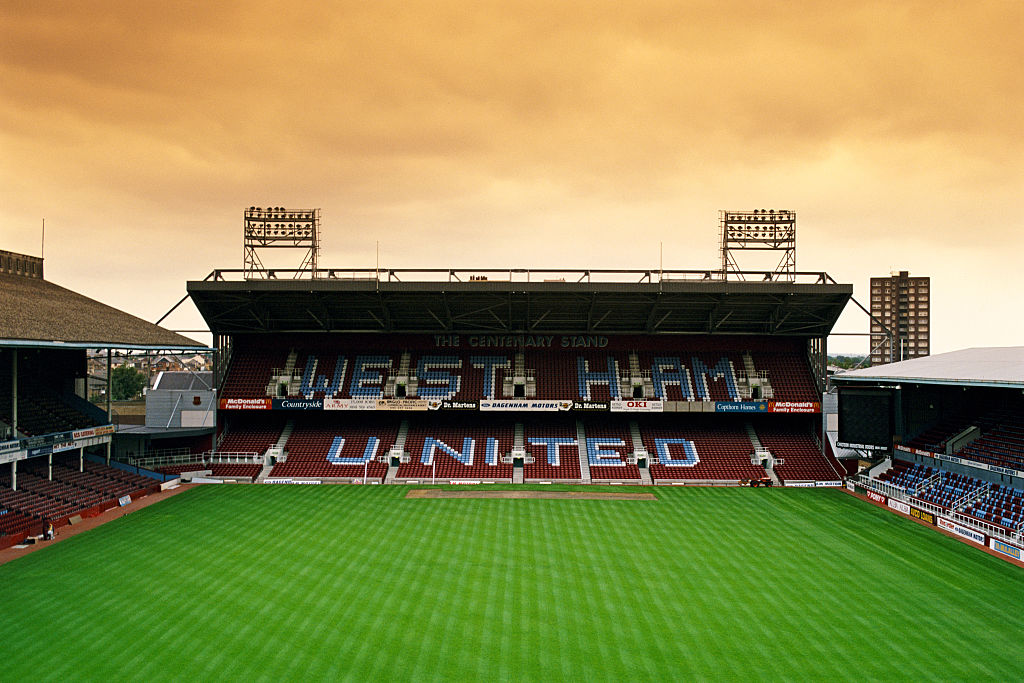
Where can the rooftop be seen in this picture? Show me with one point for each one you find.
(998, 366)
(35, 312)
(517, 300)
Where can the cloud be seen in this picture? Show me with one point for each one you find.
(511, 131)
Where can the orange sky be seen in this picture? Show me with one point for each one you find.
(470, 134)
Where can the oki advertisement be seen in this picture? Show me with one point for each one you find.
(637, 406)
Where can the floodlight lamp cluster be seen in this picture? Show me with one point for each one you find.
(276, 227)
(270, 222)
(278, 213)
(759, 230)
(762, 216)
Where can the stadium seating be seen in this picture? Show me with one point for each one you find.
(235, 470)
(712, 366)
(1000, 505)
(790, 376)
(232, 470)
(69, 492)
(905, 475)
(706, 369)
(597, 375)
(1003, 506)
(934, 438)
(722, 450)
(460, 452)
(948, 488)
(250, 371)
(556, 378)
(603, 439)
(250, 434)
(310, 454)
(543, 438)
(40, 412)
(803, 460)
(1001, 442)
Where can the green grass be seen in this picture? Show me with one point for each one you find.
(355, 582)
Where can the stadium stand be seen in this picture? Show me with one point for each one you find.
(231, 470)
(986, 501)
(552, 443)
(70, 492)
(704, 370)
(1003, 506)
(47, 333)
(801, 454)
(609, 445)
(462, 450)
(248, 433)
(699, 370)
(326, 446)
(469, 405)
(1000, 443)
(699, 449)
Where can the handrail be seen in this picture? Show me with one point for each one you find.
(895, 492)
(969, 497)
(567, 275)
(925, 484)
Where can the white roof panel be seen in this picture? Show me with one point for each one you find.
(998, 366)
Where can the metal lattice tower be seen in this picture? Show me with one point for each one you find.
(759, 230)
(280, 228)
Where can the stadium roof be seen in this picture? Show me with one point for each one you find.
(1001, 366)
(513, 301)
(38, 313)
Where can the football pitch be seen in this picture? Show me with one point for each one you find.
(360, 583)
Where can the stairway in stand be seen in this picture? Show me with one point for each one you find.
(581, 440)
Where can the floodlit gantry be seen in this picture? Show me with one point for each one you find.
(276, 227)
(759, 230)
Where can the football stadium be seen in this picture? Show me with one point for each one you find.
(509, 474)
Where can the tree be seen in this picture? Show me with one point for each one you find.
(126, 383)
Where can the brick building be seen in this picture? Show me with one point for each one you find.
(903, 304)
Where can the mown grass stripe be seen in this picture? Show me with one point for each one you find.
(272, 583)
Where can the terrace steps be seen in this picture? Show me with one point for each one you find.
(581, 439)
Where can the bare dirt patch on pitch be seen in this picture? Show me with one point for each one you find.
(528, 495)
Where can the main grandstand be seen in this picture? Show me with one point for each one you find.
(55, 444)
(522, 376)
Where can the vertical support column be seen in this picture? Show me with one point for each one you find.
(49, 467)
(14, 393)
(109, 445)
(14, 475)
(898, 423)
(81, 459)
(216, 367)
(110, 418)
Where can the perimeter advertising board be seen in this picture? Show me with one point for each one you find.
(963, 461)
(1006, 549)
(767, 407)
(245, 404)
(637, 406)
(525, 405)
(961, 531)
